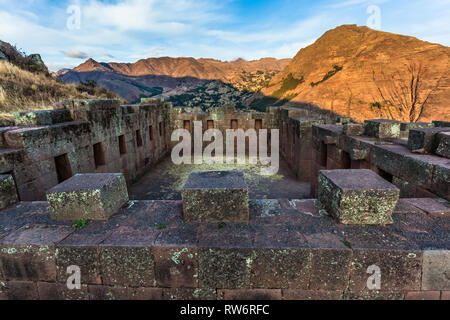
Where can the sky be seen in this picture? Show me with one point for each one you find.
(66, 33)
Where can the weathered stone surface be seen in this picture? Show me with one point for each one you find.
(28, 254)
(431, 207)
(28, 263)
(254, 294)
(405, 127)
(146, 294)
(49, 291)
(289, 294)
(400, 270)
(88, 196)
(443, 144)
(215, 196)
(41, 117)
(127, 266)
(382, 128)
(21, 290)
(226, 235)
(99, 292)
(441, 181)
(8, 192)
(353, 129)
(423, 295)
(330, 269)
(289, 112)
(442, 124)
(373, 295)
(184, 235)
(278, 236)
(424, 140)
(189, 294)
(8, 157)
(415, 228)
(275, 261)
(224, 268)
(321, 132)
(357, 196)
(59, 291)
(417, 168)
(176, 267)
(436, 270)
(288, 268)
(389, 158)
(405, 206)
(85, 257)
(343, 120)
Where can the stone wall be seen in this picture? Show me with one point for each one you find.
(294, 124)
(274, 249)
(95, 136)
(84, 136)
(296, 140)
(146, 251)
(418, 173)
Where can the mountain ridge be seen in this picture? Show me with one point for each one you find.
(362, 73)
(352, 71)
(146, 77)
(202, 68)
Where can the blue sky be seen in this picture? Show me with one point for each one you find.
(129, 30)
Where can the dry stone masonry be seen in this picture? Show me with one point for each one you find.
(215, 196)
(358, 196)
(380, 197)
(8, 192)
(85, 136)
(88, 196)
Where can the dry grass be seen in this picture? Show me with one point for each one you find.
(22, 90)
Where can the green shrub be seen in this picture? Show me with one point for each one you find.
(331, 73)
(80, 224)
(289, 83)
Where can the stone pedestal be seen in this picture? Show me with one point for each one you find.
(405, 127)
(353, 129)
(425, 139)
(88, 196)
(215, 196)
(382, 128)
(358, 197)
(443, 144)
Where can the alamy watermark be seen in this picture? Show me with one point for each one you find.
(235, 146)
(74, 19)
(374, 281)
(74, 280)
(374, 20)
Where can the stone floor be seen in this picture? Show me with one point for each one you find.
(166, 180)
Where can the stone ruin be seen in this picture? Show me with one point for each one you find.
(379, 201)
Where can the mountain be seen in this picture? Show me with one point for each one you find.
(206, 69)
(168, 77)
(362, 73)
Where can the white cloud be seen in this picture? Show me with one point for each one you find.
(128, 30)
(165, 16)
(76, 54)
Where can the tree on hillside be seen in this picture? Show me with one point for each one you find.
(404, 90)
